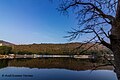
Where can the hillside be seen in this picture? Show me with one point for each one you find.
(68, 48)
(5, 43)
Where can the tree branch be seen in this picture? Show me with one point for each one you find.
(110, 17)
(102, 41)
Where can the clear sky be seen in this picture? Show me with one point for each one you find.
(33, 21)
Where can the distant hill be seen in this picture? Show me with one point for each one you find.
(5, 43)
(67, 48)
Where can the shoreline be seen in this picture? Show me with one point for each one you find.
(12, 56)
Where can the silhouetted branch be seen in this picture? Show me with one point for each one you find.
(84, 44)
(95, 8)
(96, 67)
(102, 41)
(91, 17)
(109, 61)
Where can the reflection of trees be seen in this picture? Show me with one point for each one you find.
(61, 63)
(3, 63)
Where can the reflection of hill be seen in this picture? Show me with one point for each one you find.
(3, 63)
(64, 63)
(60, 63)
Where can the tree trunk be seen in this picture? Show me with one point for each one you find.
(115, 43)
(116, 50)
(115, 40)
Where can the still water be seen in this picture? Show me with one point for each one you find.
(52, 69)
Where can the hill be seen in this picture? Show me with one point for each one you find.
(5, 43)
(67, 48)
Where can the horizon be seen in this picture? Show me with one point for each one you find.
(39, 43)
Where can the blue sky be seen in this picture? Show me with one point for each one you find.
(33, 21)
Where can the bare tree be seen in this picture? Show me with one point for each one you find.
(100, 18)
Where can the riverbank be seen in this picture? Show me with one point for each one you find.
(26, 56)
(12, 56)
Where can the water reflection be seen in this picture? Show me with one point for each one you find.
(3, 63)
(61, 63)
(52, 69)
(54, 74)
(64, 63)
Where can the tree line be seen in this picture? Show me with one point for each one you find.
(47, 49)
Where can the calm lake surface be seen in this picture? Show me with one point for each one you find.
(52, 69)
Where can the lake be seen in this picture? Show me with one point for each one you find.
(53, 69)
